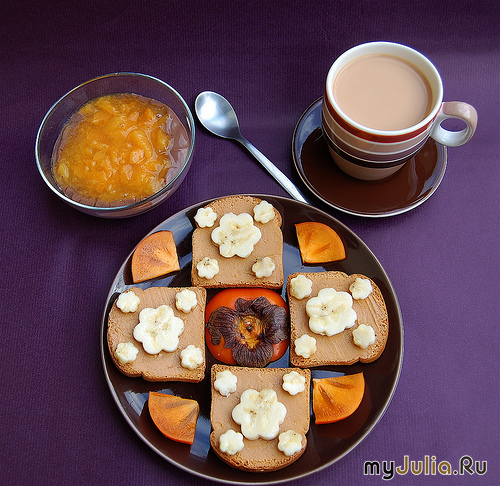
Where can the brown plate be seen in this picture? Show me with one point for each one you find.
(326, 443)
(413, 184)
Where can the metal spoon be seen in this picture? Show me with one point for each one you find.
(218, 116)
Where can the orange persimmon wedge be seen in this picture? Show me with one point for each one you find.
(318, 243)
(174, 416)
(338, 397)
(155, 255)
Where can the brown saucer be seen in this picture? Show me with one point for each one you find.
(413, 184)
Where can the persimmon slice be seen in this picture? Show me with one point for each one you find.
(174, 416)
(337, 397)
(155, 255)
(318, 243)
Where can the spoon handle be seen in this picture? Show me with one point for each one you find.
(282, 179)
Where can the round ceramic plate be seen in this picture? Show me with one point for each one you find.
(326, 443)
(413, 184)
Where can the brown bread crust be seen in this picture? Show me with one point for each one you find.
(164, 366)
(237, 271)
(259, 455)
(340, 348)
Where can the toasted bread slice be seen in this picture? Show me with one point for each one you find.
(260, 454)
(338, 349)
(236, 271)
(164, 366)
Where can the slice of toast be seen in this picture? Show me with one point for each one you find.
(164, 366)
(338, 349)
(260, 454)
(236, 271)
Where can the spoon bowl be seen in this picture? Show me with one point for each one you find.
(218, 116)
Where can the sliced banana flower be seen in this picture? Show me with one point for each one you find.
(158, 329)
(126, 352)
(128, 302)
(205, 217)
(207, 268)
(231, 442)
(293, 383)
(300, 287)
(264, 212)
(305, 346)
(289, 442)
(330, 312)
(361, 288)
(185, 300)
(259, 414)
(225, 383)
(191, 357)
(363, 336)
(236, 235)
(263, 267)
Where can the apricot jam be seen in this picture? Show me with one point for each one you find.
(118, 149)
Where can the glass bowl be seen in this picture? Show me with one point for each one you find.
(60, 113)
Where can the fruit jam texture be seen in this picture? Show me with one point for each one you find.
(117, 149)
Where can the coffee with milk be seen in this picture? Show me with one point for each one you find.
(383, 92)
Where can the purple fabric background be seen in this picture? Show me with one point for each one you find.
(58, 422)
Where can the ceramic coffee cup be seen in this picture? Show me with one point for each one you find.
(382, 102)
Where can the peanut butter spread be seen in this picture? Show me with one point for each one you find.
(164, 366)
(237, 271)
(259, 454)
(339, 348)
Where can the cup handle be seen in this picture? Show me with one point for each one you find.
(458, 110)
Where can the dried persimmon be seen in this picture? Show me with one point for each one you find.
(174, 416)
(319, 243)
(336, 398)
(154, 256)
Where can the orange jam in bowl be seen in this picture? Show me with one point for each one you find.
(119, 149)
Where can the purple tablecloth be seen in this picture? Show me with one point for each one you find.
(58, 421)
